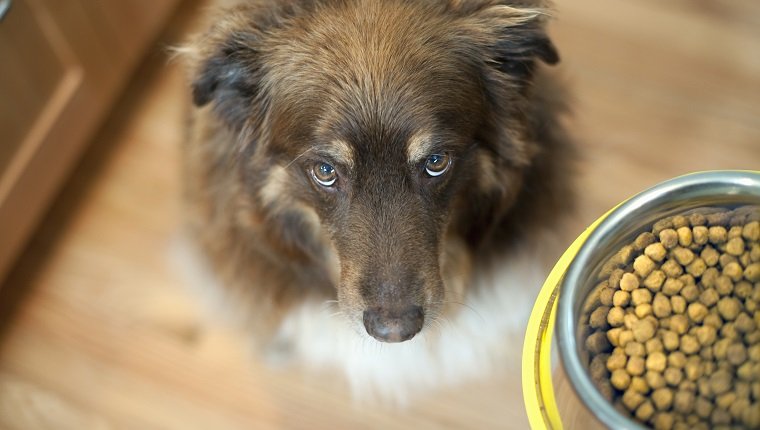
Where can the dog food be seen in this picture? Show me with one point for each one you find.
(672, 330)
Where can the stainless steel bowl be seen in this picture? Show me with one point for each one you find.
(708, 189)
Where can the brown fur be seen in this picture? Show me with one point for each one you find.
(282, 85)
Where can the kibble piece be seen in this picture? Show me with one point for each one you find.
(724, 400)
(684, 236)
(744, 323)
(654, 380)
(654, 345)
(621, 298)
(709, 297)
(754, 353)
(742, 290)
(751, 415)
(629, 282)
(597, 343)
(615, 316)
(671, 287)
(726, 259)
(750, 305)
(729, 308)
(678, 304)
(720, 417)
(672, 269)
(645, 411)
(703, 407)
(683, 256)
(641, 295)
(713, 319)
(710, 256)
(620, 379)
(697, 312)
(693, 370)
(679, 324)
(616, 362)
(673, 376)
(752, 272)
(706, 335)
(717, 235)
(700, 234)
(677, 360)
(625, 337)
(613, 335)
(690, 293)
(728, 331)
(687, 279)
(598, 318)
(662, 398)
(631, 399)
(748, 372)
(683, 401)
(735, 246)
(655, 280)
(605, 295)
(736, 354)
(670, 340)
(643, 240)
(656, 361)
(720, 381)
(689, 344)
(635, 349)
(639, 385)
(669, 238)
(643, 310)
(734, 271)
(696, 268)
(661, 306)
(751, 231)
(720, 349)
(614, 280)
(635, 366)
(663, 421)
(724, 285)
(754, 253)
(655, 251)
(643, 330)
(643, 266)
(597, 367)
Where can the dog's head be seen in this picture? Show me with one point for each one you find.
(400, 125)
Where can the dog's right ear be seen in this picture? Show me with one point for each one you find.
(225, 69)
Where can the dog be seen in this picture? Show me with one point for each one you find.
(373, 184)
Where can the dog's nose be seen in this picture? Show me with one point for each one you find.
(393, 325)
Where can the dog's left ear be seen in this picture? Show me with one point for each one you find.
(513, 38)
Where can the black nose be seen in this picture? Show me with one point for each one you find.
(393, 325)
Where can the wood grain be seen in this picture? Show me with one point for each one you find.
(97, 330)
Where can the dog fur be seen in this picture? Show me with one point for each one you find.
(374, 88)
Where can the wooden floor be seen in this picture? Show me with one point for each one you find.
(97, 331)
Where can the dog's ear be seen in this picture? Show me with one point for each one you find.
(225, 67)
(513, 38)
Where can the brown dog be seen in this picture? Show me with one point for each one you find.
(393, 157)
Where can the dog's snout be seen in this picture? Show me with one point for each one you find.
(394, 325)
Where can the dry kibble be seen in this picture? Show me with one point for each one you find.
(709, 297)
(629, 282)
(751, 231)
(752, 272)
(643, 266)
(697, 312)
(639, 384)
(744, 323)
(734, 271)
(700, 234)
(643, 310)
(724, 400)
(754, 353)
(640, 296)
(683, 401)
(679, 323)
(696, 268)
(748, 372)
(693, 370)
(635, 366)
(726, 259)
(613, 335)
(662, 398)
(625, 337)
(643, 330)
(654, 345)
(643, 240)
(720, 349)
(614, 280)
(720, 417)
(597, 343)
(684, 236)
(706, 335)
(605, 296)
(663, 421)
(615, 316)
(654, 380)
(672, 269)
(598, 318)
(720, 382)
(729, 308)
(724, 285)
(621, 298)
(683, 256)
(616, 362)
(703, 407)
(677, 360)
(713, 319)
(728, 331)
(620, 379)
(635, 349)
(742, 290)
(689, 344)
(670, 340)
(656, 361)
(632, 399)
(669, 238)
(690, 293)
(655, 280)
(661, 306)
(717, 234)
(736, 354)
(645, 411)
(751, 415)
(678, 304)
(655, 251)
(735, 246)
(671, 286)
(673, 376)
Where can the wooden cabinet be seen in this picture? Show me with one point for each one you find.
(62, 65)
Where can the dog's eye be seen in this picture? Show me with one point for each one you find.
(437, 164)
(324, 174)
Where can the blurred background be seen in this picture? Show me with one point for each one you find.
(97, 330)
